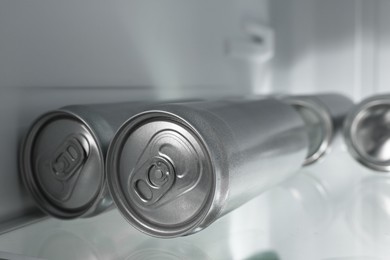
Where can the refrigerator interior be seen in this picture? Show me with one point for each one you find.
(55, 53)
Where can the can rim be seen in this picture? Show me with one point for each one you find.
(350, 127)
(27, 174)
(324, 115)
(116, 145)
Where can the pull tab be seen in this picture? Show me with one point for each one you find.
(67, 159)
(63, 167)
(155, 178)
(168, 167)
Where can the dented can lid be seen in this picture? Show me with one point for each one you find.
(367, 133)
(62, 165)
(160, 174)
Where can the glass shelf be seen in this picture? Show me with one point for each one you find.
(334, 210)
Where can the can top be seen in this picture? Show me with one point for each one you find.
(367, 133)
(160, 174)
(319, 125)
(62, 165)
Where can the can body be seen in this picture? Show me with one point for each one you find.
(62, 157)
(176, 168)
(366, 132)
(324, 116)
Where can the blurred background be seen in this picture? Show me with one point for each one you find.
(54, 53)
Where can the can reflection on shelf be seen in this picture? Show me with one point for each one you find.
(368, 215)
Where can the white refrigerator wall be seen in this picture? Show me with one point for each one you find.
(166, 44)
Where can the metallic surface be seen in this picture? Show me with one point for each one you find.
(214, 157)
(62, 158)
(324, 115)
(367, 133)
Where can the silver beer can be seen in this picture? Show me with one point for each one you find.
(367, 133)
(324, 115)
(176, 168)
(62, 159)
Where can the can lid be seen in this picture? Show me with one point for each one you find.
(62, 165)
(319, 125)
(367, 133)
(160, 174)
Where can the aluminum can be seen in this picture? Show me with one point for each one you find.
(176, 168)
(324, 116)
(367, 133)
(63, 155)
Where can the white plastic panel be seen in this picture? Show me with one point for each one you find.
(333, 45)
